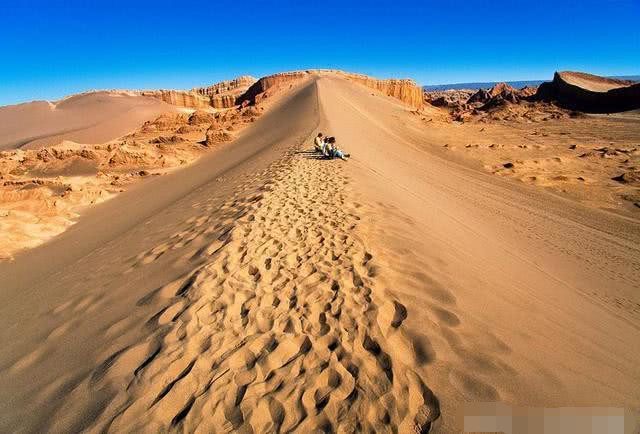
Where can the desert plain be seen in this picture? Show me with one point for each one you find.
(184, 261)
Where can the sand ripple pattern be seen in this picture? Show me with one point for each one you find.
(280, 330)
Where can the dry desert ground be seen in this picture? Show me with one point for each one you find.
(234, 281)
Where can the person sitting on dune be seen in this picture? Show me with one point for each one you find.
(319, 143)
(326, 146)
(334, 152)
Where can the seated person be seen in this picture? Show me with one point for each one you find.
(319, 143)
(334, 152)
(327, 145)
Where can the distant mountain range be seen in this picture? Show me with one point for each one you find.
(515, 84)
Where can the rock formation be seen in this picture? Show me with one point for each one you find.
(452, 98)
(527, 91)
(215, 136)
(191, 99)
(220, 95)
(405, 90)
(590, 93)
(179, 98)
(497, 95)
(440, 101)
(242, 82)
(499, 103)
(225, 94)
(222, 101)
(199, 117)
(254, 93)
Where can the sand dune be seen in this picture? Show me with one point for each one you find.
(100, 116)
(93, 117)
(43, 191)
(593, 83)
(591, 93)
(267, 290)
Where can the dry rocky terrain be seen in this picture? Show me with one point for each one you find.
(593, 158)
(42, 190)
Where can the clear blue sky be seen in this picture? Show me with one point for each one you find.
(54, 48)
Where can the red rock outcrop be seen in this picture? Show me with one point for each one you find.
(215, 136)
(220, 95)
(498, 95)
(260, 87)
(225, 94)
(200, 117)
(191, 99)
(527, 91)
(500, 91)
(405, 90)
(590, 93)
(179, 98)
(243, 82)
(222, 101)
(499, 103)
(453, 98)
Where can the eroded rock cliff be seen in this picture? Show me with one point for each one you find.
(243, 82)
(405, 90)
(179, 98)
(219, 95)
(257, 90)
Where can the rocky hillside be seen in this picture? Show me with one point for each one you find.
(590, 93)
(501, 102)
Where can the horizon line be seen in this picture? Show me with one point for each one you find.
(421, 85)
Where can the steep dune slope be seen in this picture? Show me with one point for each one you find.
(518, 295)
(90, 305)
(266, 289)
(257, 294)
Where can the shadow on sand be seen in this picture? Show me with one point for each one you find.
(312, 155)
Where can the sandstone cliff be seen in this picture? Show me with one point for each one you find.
(243, 82)
(405, 90)
(219, 95)
(590, 93)
(253, 94)
(179, 98)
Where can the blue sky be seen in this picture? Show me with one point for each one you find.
(54, 48)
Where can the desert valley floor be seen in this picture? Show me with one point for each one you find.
(263, 289)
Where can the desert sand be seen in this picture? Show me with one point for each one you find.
(96, 117)
(93, 117)
(45, 188)
(260, 288)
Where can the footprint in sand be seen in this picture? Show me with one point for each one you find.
(279, 329)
